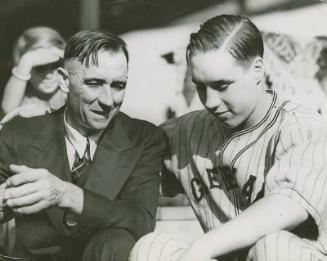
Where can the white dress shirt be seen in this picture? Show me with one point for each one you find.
(76, 142)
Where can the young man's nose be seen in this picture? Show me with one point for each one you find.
(213, 99)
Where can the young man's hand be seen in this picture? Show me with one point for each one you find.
(25, 111)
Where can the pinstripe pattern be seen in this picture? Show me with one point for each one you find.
(284, 246)
(222, 174)
(157, 246)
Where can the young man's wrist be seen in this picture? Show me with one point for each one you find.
(200, 248)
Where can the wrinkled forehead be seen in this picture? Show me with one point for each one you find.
(107, 65)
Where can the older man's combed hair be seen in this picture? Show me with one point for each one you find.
(85, 45)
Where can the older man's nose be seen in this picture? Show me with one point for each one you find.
(105, 97)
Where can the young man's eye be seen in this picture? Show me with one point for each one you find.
(220, 87)
(200, 86)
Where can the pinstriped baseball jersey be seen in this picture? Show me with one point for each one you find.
(223, 173)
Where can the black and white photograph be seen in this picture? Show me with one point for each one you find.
(163, 130)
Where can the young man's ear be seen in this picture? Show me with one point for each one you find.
(63, 79)
(258, 69)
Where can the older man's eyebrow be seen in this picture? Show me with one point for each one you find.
(94, 80)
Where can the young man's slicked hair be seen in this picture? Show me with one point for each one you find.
(234, 33)
(85, 45)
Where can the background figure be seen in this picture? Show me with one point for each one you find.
(37, 54)
(186, 99)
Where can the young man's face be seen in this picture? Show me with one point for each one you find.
(96, 92)
(226, 89)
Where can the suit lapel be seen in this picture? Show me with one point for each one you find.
(113, 162)
(49, 151)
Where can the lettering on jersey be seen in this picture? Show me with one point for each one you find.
(248, 189)
(261, 193)
(228, 176)
(198, 189)
(213, 181)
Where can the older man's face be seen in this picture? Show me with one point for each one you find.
(96, 92)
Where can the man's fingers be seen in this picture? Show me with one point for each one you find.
(26, 200)
(19, 168)
(25, 111)
(16, 192)
(24, 177)
(37, 207)
(9, 116)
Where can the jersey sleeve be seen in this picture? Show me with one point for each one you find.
(170, 185)
(299, 169)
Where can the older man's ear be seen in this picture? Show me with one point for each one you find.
(63, 79)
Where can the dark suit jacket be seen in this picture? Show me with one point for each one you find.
(121, 189)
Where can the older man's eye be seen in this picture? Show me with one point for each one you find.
(118, 85)
(93, 83)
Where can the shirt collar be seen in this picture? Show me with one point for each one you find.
(78, 141)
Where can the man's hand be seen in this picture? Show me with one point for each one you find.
(32, 190)
(2, 203)
(25, 111)
(5, 213)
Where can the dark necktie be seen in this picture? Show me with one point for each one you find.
(80, 163)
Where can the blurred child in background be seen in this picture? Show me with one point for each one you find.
(37, 54)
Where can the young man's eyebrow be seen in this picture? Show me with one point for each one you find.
(218, 82)
(221, 82)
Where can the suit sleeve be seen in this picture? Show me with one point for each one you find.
(7, 152)
(135, 208)
(7, 156)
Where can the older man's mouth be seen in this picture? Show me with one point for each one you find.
(101, 113)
